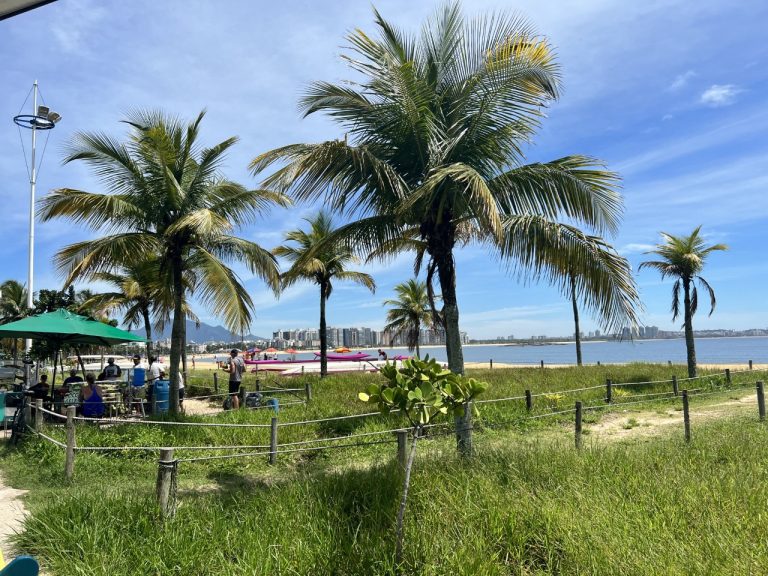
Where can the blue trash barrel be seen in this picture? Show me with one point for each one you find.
(161, 395)
(138, 376)
(274, 403)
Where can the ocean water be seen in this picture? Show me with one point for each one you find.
(708, 351)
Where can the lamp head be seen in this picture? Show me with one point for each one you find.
(54, 117)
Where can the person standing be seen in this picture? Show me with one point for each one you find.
(235, 366)
(153, 374)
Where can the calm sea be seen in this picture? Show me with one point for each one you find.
(708, 351)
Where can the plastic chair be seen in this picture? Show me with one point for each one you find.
(21, 566)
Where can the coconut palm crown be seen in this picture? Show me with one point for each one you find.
(683, 258)
(166, 198)
(408, 313)
(436, 125)
(315, 259)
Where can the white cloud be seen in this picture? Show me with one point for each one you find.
(681, 80)
(720, 95)
(633, 248)
(75, 24)
(667, 117)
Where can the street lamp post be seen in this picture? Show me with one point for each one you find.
(42, 118)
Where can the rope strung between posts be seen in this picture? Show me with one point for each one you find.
(54, 414)
(334, 418)
(267, 452)
(52, 440)
(167, 423)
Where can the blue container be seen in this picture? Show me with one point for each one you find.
(161, 395)
(274, 403)
(138, 376)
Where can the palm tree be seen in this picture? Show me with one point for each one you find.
(166, 199)
(313, 258)
(410, 311)
(13, 306)
(683, 258)
(433, 157)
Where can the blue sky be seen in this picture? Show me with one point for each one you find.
(672, 94)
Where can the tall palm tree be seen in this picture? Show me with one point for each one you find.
(435, 126)
(313, 258)
(683, 257)
(13, 306)
(165, 197)
(408, 313)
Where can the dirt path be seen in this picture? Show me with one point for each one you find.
(631, 424)
(12, 513)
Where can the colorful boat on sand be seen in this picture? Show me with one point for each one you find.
(348, 357)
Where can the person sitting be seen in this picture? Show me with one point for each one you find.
(382, 354)
(39, 390)
(72, 378)
(92, 398)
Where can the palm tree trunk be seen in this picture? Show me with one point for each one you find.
(446, 271)
(147, 329)
(177, 333)
(323, 333)
(418, 337)
(576, 320)
(689, 343)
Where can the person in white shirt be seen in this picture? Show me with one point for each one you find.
(153, 374)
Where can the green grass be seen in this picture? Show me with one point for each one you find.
(528, 503)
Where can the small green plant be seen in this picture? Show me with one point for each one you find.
(421, 390)
(631, 423)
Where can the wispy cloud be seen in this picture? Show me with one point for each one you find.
(681, 80)
(633, 248)
(75, 22)
(720, 95)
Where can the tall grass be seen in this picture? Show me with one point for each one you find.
(528, 503)
(530, 508)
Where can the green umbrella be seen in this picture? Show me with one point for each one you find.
(63, 327)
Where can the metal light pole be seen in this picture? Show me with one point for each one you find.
(42, 118)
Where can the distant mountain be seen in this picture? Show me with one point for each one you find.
(202, 334)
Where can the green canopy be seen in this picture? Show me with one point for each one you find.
(64, 327)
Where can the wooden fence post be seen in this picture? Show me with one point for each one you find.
(578, 424)
(38, 414)
(686, 417)
(215, 381)
(69, 459)
(674, 386)
(598, 362)
(273, 440)
(258, 385)
(750, 364)
(760, 400)
(608, 391)
(542, 363)
(464, 431)
(243, 393)
(528, 400)
(28, 411)
(728, 376)
(490, 362)
(166, 482)
(308, 390)
(402, 447)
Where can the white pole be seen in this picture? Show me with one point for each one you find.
(32, 178)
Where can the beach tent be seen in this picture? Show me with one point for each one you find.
(64, 327)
